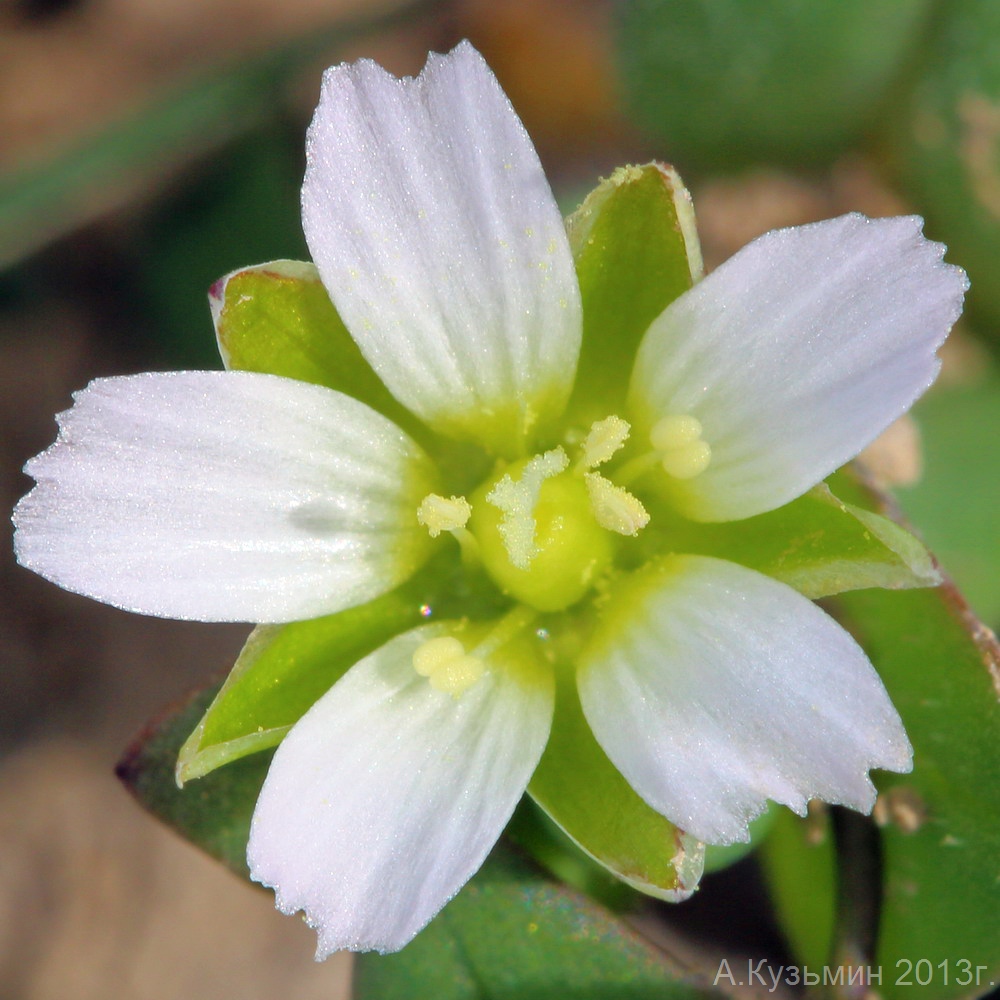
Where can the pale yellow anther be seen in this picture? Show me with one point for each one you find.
(446, 665)
(684, 454)
(675, 432)
(437, 513)
(517, 502)
(604, 439)
(614, 507)
(687, 462)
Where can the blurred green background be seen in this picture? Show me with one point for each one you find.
(148, 147)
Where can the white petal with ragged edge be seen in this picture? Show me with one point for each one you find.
(436, 234)
(796, 354)
(386, 797)
(713, 688)
(224, 496)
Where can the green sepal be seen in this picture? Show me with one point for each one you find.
(587, 797)
(284, 669)
(277, 318)
(636, 249)
(817, 544)
(514, 934)
(281, 671)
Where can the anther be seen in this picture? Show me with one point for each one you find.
(437, 513)
(683, 452)
(615, 509)
(603, 440)
(446, 665)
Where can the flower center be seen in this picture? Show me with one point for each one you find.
(542, 528)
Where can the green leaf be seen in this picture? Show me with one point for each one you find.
(215, 814)
(278, 318)
(636, 250)
(800, 865)
(947, 146)
(817, 544)
(728, 83)
(512, 934)
(941, 841)
(940, 893)
(585, 794)
(961, 451)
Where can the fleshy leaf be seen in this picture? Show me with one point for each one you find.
(277, 318)
(216, 815)
(800, 865)
(945, 145)
(961, 451)
(939, 838)
(728, 84)
(817, 544)
(636, 250)
(587, 796)
(940, 842)
(555, 942)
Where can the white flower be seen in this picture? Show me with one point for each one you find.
(237, 496)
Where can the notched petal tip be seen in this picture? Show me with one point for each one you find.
(134, 503)
(795, 354)
(437, 236)
(714, 688)
(370, 844)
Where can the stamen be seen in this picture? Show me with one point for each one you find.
(437, 513)
(446, 665)
(603, 441)
(675, 432)
(517, 502)
(689, 461)
(614, 507)
(684, 453)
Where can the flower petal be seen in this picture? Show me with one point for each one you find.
(796, 354)
(436, 234)
(224, 496)
(714, 688)
(388, 795)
